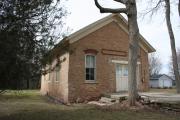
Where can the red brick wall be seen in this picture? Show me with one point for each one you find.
(144, 70)
(109, 37)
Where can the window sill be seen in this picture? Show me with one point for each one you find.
(91, 82)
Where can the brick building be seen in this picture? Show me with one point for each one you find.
(93, 61)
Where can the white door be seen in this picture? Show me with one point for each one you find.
(122, 77)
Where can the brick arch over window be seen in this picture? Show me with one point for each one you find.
(91, 51)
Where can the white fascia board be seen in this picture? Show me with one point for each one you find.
(122, 62)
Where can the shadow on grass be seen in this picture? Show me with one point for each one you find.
(54, 115)
(87, 114)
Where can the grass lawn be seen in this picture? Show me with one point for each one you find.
(30, 105)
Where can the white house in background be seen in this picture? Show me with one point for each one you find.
(161, 81)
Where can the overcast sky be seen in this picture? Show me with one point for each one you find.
(84, 12)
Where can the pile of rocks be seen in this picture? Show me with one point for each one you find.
(107, 101)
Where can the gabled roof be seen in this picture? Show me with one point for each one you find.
(119, 19)
(156, 77)
(63, 45)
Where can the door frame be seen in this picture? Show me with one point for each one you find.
(123, 62)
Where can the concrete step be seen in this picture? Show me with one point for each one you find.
(107, 100)
(119, 96)
(98, 103)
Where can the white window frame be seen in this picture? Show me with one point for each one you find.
(89, 81)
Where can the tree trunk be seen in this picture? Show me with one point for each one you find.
(133, 51)
(131, 12)
(173, 47)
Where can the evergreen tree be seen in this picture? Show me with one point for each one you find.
(27, 32)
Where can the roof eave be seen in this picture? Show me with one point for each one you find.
(112, 17)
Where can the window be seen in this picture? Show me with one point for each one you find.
(49, 76)
(125, 70)
(57, 73)
(119, 69)
(90, 67)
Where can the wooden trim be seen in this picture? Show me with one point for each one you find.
(114, 52)
(123, 62)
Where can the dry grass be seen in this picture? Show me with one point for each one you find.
(173, 90)
(30, 105)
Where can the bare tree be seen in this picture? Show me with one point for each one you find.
(173, 46)
(171, 71)
(171, 36)
(154, 64)
(130, 10)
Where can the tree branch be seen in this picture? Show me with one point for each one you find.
(109, 10)
(121, 1)
(154, 9)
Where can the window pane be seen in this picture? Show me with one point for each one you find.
(87, 70)
(87, 61)
(125, 71)
(89, 73)
(90, 61)
(87, 76)
(119, 69)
